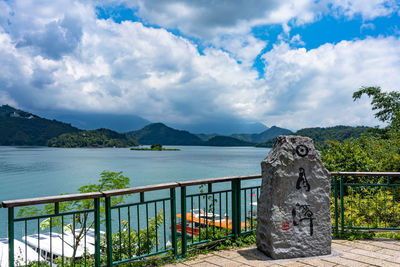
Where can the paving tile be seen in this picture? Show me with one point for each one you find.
(390, 252)
(377, 262)
(341, 247)
(221, 261)
(318, 262)
(203, 264)
(372, 254)
(253, 253)
(352, 253)
(338, 241)
(389, 245)
(346, 262)
(229, 254)
(251, 261)
(362, 245)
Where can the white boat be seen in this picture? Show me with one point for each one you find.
(55, 245)
(90, 235)
(22, 253)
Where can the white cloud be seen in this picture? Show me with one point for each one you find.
(315, 87)
(368, 9)
(130, 68)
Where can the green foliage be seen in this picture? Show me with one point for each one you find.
(376, 149)
(93, 138)
(156, 146)
(129, 243)
(370, 207)
(357, 235)
(391, 235)
(386, 104)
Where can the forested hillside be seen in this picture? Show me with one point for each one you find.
(19, 128)
(93, 138)
(321, 135)
(159, 133)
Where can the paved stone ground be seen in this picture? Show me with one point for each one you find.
(377, 252)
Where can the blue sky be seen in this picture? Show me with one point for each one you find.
(207, 64)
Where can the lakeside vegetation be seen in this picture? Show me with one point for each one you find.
(155, 147)
(92, 138)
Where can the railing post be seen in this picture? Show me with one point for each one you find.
(336, 206)
(173, 222)
(11, 236)
(97, 232)
(239, 208)
(342, 203)
(236, 208)
(108, 232)
(183, 221)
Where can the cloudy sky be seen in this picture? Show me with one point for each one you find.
(292, 63)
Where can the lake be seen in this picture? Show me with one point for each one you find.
(27, 172)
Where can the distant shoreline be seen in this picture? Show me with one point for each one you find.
(153, 149)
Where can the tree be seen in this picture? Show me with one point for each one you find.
(376, 150)
(108, 181)
(386, 104)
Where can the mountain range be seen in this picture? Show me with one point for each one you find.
(18, 127)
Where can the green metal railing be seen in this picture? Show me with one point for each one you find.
(365, 206)
(168, 220)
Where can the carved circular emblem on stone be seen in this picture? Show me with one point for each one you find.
(302, 150)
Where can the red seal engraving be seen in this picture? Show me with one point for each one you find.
(285, 226)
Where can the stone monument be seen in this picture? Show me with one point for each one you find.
(293, 211)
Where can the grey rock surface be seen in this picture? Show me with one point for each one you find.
(293, 211)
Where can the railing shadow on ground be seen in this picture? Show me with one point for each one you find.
(166, 220)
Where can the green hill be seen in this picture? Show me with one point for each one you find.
(272, 132)
(321, 135)
(159, 133)
(93, 138)
(19, 128)
(226, 141)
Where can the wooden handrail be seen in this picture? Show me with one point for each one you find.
(139, 189)
(50, 199)
(147, 188)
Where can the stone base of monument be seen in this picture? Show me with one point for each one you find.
(293, 211)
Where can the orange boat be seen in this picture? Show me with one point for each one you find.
(202, 219)
(189, 230)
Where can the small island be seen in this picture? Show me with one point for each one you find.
(155, 147)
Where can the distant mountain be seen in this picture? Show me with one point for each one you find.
(321, 135)
(159, 133)
(226, 141)
(93, 138)
(19, 128)
(272, 132)
(222, 126)
(120, 123)
(206, 137)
